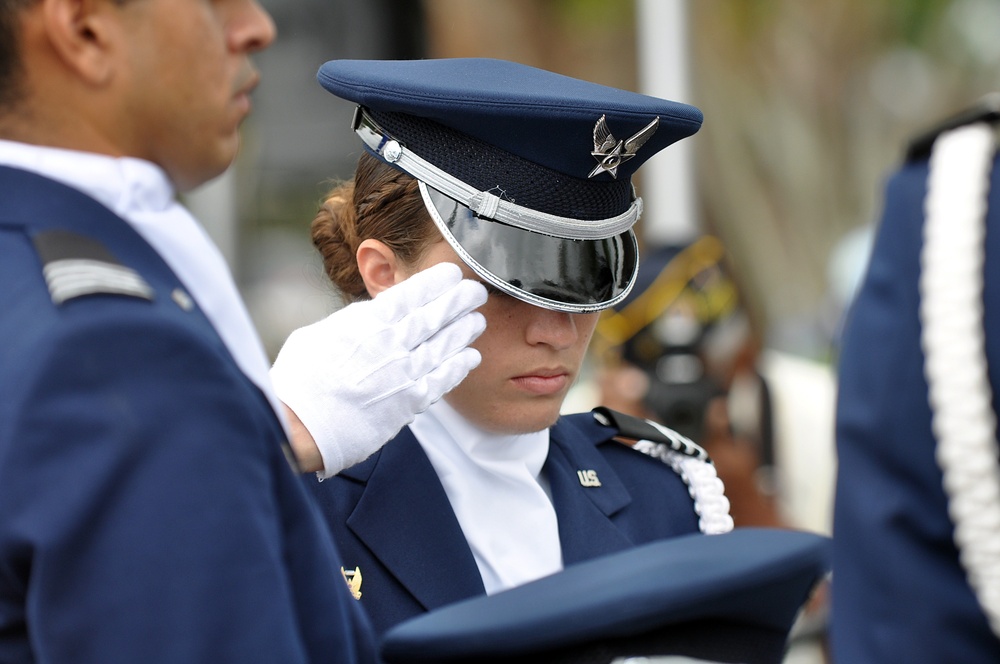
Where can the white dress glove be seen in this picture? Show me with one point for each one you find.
(360, 375)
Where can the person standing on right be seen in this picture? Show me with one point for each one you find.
(917, 513)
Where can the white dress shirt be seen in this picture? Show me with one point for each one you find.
(495, 487)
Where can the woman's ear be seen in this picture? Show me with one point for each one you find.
(379, 267)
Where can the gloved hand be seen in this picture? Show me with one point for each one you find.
(360, 375)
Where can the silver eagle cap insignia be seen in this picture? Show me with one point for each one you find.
(611, 153)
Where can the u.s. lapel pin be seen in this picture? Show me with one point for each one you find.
(353, 578)
(588, 478)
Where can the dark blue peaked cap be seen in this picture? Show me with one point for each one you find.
(726, 598)
(543, 117)
(519, 158)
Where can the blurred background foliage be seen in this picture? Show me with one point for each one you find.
(808, 106)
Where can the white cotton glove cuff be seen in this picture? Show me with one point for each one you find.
(360, 375)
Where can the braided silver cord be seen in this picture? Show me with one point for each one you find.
(952, 336)
(698, 473)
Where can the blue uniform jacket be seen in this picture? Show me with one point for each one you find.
(899, 591)
(392, 520)
(148, 512)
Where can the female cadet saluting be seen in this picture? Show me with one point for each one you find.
(520, 177)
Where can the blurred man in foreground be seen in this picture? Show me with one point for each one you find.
(149, 509)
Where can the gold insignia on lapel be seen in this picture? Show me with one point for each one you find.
(353, 579)
(588, 478)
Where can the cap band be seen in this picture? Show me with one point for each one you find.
(484, 203)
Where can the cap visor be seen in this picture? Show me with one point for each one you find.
(575, 276)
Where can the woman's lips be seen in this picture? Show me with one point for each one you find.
(542, 383)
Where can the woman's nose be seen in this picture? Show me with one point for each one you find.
(552, 328)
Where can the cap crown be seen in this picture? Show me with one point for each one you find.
(540, 116)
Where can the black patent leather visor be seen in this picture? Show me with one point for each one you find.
(575, 276)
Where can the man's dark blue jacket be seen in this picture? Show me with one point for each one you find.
(148, 512)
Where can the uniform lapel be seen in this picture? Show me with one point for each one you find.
(584, 509)
(405, 519)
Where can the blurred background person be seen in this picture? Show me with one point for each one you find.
(675, 351)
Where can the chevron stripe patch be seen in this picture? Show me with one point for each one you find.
(70, 278)
(75, 265)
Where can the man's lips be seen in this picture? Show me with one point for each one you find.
(248, 81)
(242, 94)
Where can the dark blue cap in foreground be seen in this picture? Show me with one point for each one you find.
(526, 172)
(725, 598)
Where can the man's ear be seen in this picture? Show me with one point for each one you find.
(379, 267)
(82, 35)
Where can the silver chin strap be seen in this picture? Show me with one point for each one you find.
(484, 203)
(953, 340)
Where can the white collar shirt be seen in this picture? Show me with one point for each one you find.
(498, 493)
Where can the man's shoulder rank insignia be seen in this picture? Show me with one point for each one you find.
(76, 265)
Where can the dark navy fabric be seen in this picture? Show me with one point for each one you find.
(148, 512)
(392, 520)
(899, 592)
(544, 117)
(751, 578)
